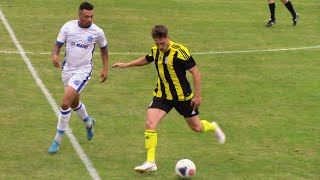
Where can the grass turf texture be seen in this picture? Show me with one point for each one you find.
(266, 102)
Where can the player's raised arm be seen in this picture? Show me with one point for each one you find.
(138, 62)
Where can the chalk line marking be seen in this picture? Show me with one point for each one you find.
(86, 161)
(199, 53)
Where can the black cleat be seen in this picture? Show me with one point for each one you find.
(271, 22)
(295, 19)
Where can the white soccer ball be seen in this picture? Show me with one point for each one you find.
(185, 169)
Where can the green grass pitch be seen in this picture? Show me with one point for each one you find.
(267, 102)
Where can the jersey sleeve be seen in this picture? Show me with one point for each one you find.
(102, 40)
(189, 63)
(186, 58)
(149, 56)
(62, 36)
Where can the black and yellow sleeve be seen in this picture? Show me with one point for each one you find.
(150, 56)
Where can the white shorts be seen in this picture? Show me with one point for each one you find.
(77, 79)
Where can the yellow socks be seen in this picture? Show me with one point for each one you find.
(151, 139)
(207, 126)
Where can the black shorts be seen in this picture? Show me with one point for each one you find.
(183, 107)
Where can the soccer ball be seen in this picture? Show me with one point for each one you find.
(185, 169)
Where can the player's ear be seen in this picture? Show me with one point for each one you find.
(79, 14)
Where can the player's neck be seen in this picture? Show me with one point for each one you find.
(82, 26)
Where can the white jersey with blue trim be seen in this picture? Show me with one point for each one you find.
(80, 43)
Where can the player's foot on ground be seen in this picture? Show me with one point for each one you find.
(90, 132)
(219, 133)
(146, 167)
(271, 22)
(295, 19)
(54, 147)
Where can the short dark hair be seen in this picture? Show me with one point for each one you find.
(85, 5)
(159, 31)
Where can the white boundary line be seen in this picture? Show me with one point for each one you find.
(94, 174)
(263, 50)
(199, 53)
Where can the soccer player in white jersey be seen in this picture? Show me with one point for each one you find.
(80, 37)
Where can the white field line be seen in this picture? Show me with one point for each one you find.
(257, 50)
(200, 53)
(94, 174)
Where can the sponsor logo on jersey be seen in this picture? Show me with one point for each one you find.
(83, 46)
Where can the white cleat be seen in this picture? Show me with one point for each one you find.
(219, 133)
(146, 167)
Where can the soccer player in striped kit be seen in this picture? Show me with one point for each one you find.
(80, 38)
(172, 61)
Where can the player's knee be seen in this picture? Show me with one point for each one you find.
(196, 128)
(150, 124)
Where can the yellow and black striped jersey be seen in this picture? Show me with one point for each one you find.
(171, 66)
